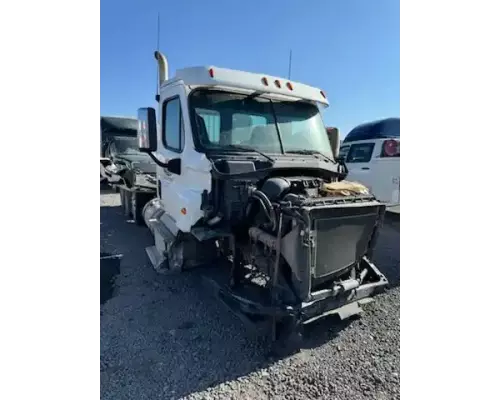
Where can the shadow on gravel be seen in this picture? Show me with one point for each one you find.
(178, 340)
(386, 256)
(110, 261)
(324, 330)
(110, 268)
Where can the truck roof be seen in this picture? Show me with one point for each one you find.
(115, 124)
(211, 76)
(380, 129)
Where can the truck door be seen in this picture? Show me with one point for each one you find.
(171, 145)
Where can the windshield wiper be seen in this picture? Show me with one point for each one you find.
(304, 151)
(249, 148)
(341, 166)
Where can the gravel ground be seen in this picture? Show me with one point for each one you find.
(165, 337)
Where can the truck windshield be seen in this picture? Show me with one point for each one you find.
(222, 121)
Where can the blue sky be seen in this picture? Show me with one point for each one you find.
(350, 49)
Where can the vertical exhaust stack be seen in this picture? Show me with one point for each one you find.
(162, 67)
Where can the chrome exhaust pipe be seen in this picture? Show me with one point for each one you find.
(162, 67)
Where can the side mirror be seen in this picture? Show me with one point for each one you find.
(174, 166)
(334, 138)
(146, 129)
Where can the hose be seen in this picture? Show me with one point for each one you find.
(249, 208)
(266, 206)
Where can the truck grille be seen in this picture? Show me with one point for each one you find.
(342, 235)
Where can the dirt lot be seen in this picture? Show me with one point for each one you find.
(165, 337)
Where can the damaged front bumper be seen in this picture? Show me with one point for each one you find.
(343, 300)
(344, 303)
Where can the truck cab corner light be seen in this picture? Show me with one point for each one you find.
(265, 82)
(211, 72)
(289, 86)
(277, 83)
(323, 94)
(183, 211)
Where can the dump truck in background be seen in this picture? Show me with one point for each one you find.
(129, 171)
(113, 127)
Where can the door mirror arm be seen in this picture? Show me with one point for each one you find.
(157, 161)
(173, 165)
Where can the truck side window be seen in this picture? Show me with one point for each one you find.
(173, 129)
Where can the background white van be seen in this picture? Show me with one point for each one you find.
(371, 152)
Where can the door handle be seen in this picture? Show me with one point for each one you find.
(365, 168)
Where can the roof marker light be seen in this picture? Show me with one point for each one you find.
(264, 81)
(289, 86)
(211, 72)
(277, 83)
(323, 94)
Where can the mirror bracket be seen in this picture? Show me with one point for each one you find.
(174, 166)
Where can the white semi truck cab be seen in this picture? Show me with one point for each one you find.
(246, 171)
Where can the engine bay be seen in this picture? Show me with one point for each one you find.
(235, 183)
(300, 229)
